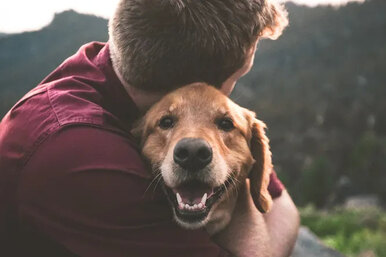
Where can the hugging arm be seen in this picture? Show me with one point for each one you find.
(283, 225)
(252, 234)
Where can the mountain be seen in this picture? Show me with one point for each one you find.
(320, 88)
(26, 58)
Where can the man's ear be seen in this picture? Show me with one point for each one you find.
(262, 168)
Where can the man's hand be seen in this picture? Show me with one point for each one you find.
(252, 234)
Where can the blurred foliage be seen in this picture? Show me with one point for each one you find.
(367, 163)
(316, 183)
(349, 231)
(320, 88)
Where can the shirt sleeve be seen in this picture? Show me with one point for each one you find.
(275, 187)
(87, 190)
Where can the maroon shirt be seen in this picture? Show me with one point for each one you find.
(72, 180)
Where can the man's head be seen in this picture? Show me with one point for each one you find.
(160, 45)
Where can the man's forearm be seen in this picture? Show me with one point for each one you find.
(283, 224)
(247, 233)
(252, 234)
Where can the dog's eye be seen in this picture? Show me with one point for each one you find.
(166, 122)
(225, 124)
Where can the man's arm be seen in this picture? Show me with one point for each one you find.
(283, 225)
(252, 234)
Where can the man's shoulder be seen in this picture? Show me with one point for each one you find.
(35, 120)
(77, 88)
(82, 91)
(85, 89)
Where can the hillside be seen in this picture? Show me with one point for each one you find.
(320, 88)
(26, 58)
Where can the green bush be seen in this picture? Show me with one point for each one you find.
(367, 163)
(349, 231)
(316, 183)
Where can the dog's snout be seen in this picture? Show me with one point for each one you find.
(192, 153)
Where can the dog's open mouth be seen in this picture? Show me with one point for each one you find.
(193, 200)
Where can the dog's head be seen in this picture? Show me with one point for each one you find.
(204, 146)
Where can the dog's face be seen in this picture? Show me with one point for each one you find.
(204, 146)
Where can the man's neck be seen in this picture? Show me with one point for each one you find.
(142, 99)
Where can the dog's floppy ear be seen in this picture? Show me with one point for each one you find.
(262, 168)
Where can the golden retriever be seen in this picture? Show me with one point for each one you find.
(205, 146)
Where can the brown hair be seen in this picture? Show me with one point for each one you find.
(160, 45)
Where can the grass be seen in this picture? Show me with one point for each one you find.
(351, 232)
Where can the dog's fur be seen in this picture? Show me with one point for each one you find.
(238, 154)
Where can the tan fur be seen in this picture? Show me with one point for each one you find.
(239, 153)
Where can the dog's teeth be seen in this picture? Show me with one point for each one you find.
(179, 199)
(194, 207)
(203, 200)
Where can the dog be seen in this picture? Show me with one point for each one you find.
(205, 146)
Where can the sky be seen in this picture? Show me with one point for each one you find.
(27, 15)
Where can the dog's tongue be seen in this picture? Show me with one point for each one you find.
(193, 192)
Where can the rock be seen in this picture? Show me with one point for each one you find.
(309, 245)
(368, 253)
(362, 202)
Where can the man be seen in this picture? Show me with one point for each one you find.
(72, 180)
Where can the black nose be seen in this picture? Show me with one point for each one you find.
(192, 153)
